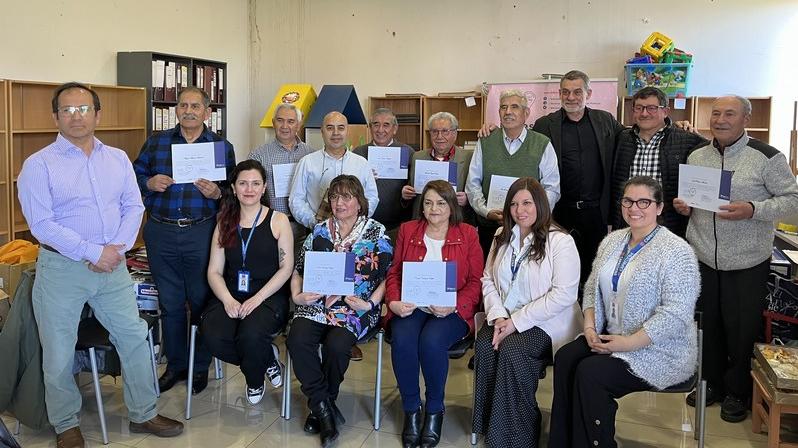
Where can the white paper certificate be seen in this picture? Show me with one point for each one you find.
(282, 175)
(192, 161)
(329, 273)
(497, 191)
(704, 188)
(429, 170)
(429, 283)
(389, 162)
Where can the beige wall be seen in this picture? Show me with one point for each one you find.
(740, 46)
(58, 41)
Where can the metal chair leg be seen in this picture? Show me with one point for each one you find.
(702, 420)
(287, 387)
(17, 428)
(217, 366)
(474, 397)
(190, 379)
(154, 363)
(97, 395)
(378, 385)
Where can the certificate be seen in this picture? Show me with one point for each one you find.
(429, 170)
(192, 161)
(329, 273)
(389, 162)
(429, 283)
(497, 191)
(705, 188)
(282, 174)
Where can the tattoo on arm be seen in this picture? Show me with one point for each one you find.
(282, 256)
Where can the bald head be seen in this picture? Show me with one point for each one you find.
(333, 131)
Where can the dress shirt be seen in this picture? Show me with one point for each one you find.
(76, 203)
(313, 175)
(274, 153)
(549, 173)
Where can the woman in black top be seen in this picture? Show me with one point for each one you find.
(251, 261)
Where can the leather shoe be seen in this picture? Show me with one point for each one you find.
(411, 431)
(356, 354)
(159, 425)
(199, 382)
(71, 438)
(328, 432)
(713, 396)
(312, 422)
(431, 434)
(170, 378)
(734, 409)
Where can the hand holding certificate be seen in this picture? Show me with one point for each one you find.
(192, 161)
(329, 273)
(704, 188)
(429, 170)
(282, 174)
(389, 162)
(499, 185)
(429, 283)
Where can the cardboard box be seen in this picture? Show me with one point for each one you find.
(10, 275)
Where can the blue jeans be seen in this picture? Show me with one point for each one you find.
(178, 259)
(61, 288)
(422, 341)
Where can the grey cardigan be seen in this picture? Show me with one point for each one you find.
(661, 296)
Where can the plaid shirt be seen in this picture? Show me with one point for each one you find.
(273, 153)
(179, 200)
(646, 161)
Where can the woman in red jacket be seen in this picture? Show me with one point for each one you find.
(421, 336)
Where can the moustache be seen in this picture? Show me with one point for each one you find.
(189, 117)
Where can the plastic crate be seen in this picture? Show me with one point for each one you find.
(673, 79)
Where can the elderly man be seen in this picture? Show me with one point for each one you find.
(734, 248)
(391, 211)
(443, 135)
(511, 151)
(652, 147)
(81, 201)
(279, 158)
(178, 232)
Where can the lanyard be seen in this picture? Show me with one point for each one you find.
(245, 244)
(626, 256)
(515, 266)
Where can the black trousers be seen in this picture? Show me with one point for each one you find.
(486, 231)
(587, 228)
(586, 386)
(732, 303)
(320, 378)
(245, 342)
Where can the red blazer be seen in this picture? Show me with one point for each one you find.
(462, 246)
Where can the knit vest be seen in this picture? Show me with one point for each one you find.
(524, 163)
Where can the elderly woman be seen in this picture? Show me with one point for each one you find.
(530, 287)
(639, 332)
(250, 264)
(421, 336)
(337, 322)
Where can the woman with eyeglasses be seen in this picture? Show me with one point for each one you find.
(639, 333)
(530, 286)
(336, 322)
(421, 336)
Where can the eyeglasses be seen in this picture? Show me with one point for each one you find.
(443, 132)
(650, 108)
(642, 204)
(346, 197)
(70, 110)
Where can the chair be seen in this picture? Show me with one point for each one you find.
(92, 336)
(7, 440)
(219, 373)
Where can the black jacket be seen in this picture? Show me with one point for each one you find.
(606, 129)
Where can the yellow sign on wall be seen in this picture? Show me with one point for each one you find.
(300, 95)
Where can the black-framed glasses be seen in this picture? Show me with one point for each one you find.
(70, 110)
(642, 204)
(651, 108)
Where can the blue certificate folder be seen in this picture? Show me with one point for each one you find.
(426, 283)
(329, 273)
(219, 155)
(404, 159)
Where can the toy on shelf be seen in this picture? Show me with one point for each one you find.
(657, 45)
(659, 64)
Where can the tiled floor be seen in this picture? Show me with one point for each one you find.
(222, 418)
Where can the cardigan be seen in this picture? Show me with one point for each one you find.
(461, 246)
(660, 298)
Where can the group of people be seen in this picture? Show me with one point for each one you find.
(233, 254)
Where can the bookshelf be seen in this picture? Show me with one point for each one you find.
(164, 75)
(30, 127)
(5, 184)
(470, 118)
(409, 111)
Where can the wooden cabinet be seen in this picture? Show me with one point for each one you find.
(409, 111)
(31, 127)
(470, 117)
(5, 183)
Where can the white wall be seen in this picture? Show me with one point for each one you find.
(740, 46)
(54, 40)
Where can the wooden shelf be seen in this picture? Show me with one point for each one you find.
(408, 133)
(470, 118)
(35, 131)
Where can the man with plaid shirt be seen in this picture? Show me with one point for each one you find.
(652, 147)
(178, 232)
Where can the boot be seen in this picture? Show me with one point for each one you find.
(431, 434)
(411, 431)
(328, 431)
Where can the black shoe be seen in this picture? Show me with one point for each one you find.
(311, 424)
(199, 382)
(170, 378)
(328, 432)
(339, 417)
(733, 409)
(411, 431)
(713, 396)
(431, 434)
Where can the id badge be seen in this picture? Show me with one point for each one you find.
(243, 281)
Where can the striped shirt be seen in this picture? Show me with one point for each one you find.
(646, 161)
(179, 200)
(76, 203)
(273, 153)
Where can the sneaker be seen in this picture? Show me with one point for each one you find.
(255, 395)
(713, 396)
(733, 409)
(275, 371)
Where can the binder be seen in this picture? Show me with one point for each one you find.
(183, 78)
(169, 89)
(157, 125)
(206, 79)
(158, 80)
(172, 120)
(213, 86)
(220, 96)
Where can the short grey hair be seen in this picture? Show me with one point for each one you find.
(573, 75)
(745, 102)
(291, 107)
(453, 123)
(385, 111)
(515, 92)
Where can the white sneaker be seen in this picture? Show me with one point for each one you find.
(275, 371)
(254, 396)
